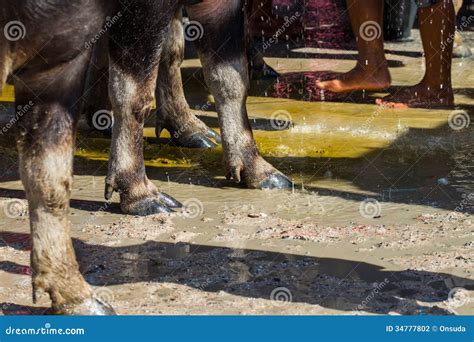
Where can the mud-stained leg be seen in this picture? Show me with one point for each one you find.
(49, 100)
(173, 112)
(134, 60)
(222, 50)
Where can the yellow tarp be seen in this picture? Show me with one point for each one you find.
(7, 94)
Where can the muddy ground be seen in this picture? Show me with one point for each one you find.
(380, 220)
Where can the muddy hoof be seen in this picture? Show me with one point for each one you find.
(214, 135)
(170, 201)
(197, 140)
(195, 136)
(276, 181)
(150, 206)
(90, 307)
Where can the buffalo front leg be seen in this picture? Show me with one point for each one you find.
(46, 144)
(134, 61)
(222, 50)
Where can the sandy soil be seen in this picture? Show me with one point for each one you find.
(380, 220)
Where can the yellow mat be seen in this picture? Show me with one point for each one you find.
(8, 94)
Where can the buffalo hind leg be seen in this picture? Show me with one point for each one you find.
(222, 50)
(173, 113)
(134, 60)
(46, 145)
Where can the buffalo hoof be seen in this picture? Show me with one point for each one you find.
(170, 201)
(276, 181)
(214, 135)
(163, 204)
(89, 307)
(196, 140)
(195, 135)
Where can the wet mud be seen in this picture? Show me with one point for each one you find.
(379, 222)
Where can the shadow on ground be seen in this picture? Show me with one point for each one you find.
(339, 284)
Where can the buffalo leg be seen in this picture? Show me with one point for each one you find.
(173, 111)
(49, 100)
(135, 47)
(222, 50)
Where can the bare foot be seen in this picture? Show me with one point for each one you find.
(359, 78)
(419, 96)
